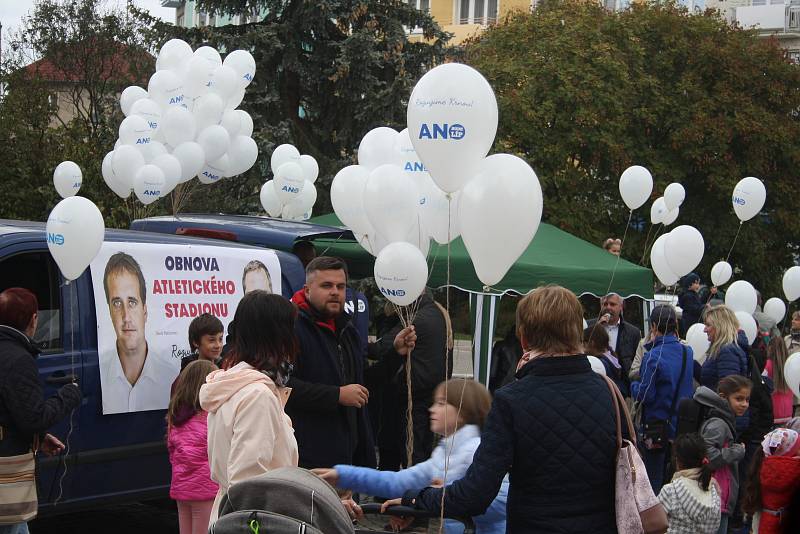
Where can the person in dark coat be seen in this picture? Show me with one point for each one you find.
(328, 401)
(25, 415)
(553, 430)
(690, 302)
(505, 357)
(431, 364)
(624, 336)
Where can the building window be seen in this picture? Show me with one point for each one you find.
(793, 55)
(793, 18)
(202, 18)
(476, 11)
(422, 5)
(212, 20)
(179, 20)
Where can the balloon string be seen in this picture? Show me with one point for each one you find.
(646, 241)
(447, 365)
(648, 246)
(734, 241)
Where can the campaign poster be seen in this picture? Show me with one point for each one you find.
(146, 295)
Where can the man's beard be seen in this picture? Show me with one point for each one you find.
(325, 313)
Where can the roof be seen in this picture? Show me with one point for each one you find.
(553, 257)
(117, 66)
(279, 234)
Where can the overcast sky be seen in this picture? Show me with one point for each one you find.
(12, 11)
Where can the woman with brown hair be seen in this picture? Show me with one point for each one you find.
(248, 431)
(553, 430)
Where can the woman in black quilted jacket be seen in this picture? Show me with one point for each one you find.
(553, 430)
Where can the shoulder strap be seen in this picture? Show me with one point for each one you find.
(620, 410)
(678, 388)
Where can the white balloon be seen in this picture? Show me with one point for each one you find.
(243, 154)
(119, 189)
(417, 236)
(243, 63)
(135, 130)
(67, 178)
(721, 273)
(597, 365)
(148, 184)
(504, 199)
(635, 186)
(775, 308)
(310, 167)
(674, 195)
(684, 248)
(209, 54)
(224, 82)
(748, 325)
(791, 372)
(247, 123)
(178, 126)
(208, 110)
(741, 296)
(171, 167)
(289, 182)
(192, 159)
(671, 217)
(235, 100)
(150, 111)
(214, 171)
(439, 213)
(129, 96)
(347, 198)
(304, 202)
(658, 211)
(126, 162)
(401, 273)
(215, 141)
(283, 154)
(166, 89)
(452, 122)
(75, 233)
(377, 148)
(658, 261)
(152, 150)
(197, 76)
(174, 54)
(231, 121)
(391, 202)
(791, 283)
(698, 340)
(748, 198)
(269, 199)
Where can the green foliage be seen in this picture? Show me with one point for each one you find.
(584, 93)
(326, 73)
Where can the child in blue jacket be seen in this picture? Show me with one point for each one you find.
(461, 438)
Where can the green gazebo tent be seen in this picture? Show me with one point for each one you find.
(553, 257)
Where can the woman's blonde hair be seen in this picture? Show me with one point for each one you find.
(474, 402)
(550, 321)
(726, 328)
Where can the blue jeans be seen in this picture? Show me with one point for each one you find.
(723, 524)
(654, 464)
(18, 528)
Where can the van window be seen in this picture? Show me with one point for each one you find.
(38, 272)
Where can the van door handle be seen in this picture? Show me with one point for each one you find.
(60, 378)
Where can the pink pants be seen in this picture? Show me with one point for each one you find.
(193, 516)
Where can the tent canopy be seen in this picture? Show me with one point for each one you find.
(553, 257)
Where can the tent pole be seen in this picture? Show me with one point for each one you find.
(484, 310)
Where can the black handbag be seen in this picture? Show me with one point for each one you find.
(655, 434)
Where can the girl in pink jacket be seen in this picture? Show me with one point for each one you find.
(187, 437)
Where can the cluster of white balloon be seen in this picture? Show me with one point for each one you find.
(184, 125)
(291, 194)
(434, 180)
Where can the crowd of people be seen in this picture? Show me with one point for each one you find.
(716, 432)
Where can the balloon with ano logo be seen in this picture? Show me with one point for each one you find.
(452, 122)
(748, 198)
(401, 273)
(67, 178)
(75, 232)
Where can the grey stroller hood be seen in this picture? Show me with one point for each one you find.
(282, 501)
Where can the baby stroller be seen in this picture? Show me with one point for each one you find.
(291, 500)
